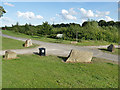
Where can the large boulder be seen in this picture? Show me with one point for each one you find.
(28, 43)
(111, 48)
(10, 55)
(79, 56)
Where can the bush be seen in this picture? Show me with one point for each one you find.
(52, 36)
(90, 30)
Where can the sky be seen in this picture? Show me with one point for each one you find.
(36, 13)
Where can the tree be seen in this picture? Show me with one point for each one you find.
(110, 23)
(85, 23)
(46, 28)
(27, 29)
(73, 31)
(2, 11)
(16, 27)
(102, 23)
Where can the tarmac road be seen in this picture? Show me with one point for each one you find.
(61, 49)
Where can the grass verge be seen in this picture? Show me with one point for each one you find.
(33, 71)
(8, 43)
(82, 43)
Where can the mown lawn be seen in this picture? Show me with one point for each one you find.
(82, 43)
(116, 52)
(8, 43)
(33, 71)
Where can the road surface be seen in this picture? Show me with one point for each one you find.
(61, 49)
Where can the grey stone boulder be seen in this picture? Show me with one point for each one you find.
(10, 55)
(28, 43)
(79, 56)
(111, 48)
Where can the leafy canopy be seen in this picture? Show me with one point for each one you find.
(2, 11)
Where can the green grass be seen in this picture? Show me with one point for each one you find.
(82, 43)
(33, 71)
(8, 43)
(115, 52)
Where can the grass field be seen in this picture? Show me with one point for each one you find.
(83, 43)
(8, 43)
(116, 52)
(33, 71)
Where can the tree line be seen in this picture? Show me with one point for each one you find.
(89, 30)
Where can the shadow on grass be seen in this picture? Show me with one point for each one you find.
(3, 56)
(110, 63)
(63, 58)
(103, 49)
(36, 53)
(23, 44)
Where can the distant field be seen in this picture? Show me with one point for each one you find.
(8, 43)
(33, 71)
(83, 43)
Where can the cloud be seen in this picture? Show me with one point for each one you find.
(57, 15)
(64, 11)
(6, 21)
(72, 12)
(67, 15)
(101, 14)
(39, 17)
(28, 15)
(83, 20)
(83, 15)
(8, 4)
(90, 14)
(70, 17)
(86, 13)
(107, 18)
(52, 19)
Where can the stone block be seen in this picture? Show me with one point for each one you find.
(79, 56)
(10, 55)
(111, 48)
(28, 43)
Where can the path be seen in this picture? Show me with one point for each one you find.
(61, 49)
